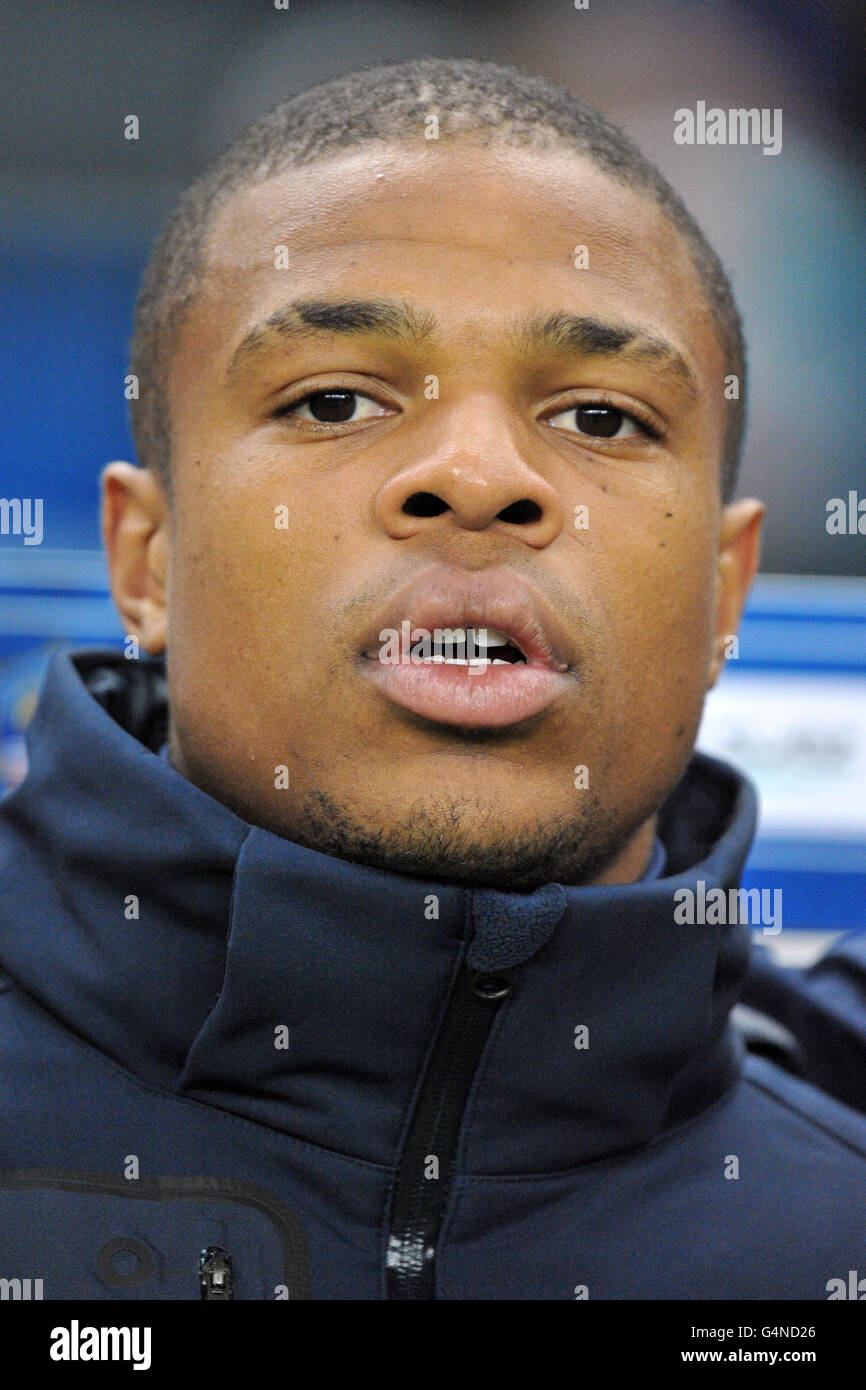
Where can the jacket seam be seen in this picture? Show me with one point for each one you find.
(670, 1136)
(226, 948)
(658, 1142)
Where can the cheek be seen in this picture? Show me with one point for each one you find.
(672, 595)
(247, 568)
(658, 620)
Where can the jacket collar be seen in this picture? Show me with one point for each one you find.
(219, 961)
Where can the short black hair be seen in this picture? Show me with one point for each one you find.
(390, 103)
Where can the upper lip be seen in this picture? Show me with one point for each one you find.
(441, 596)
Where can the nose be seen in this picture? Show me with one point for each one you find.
(477, 480)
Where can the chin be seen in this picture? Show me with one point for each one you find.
(463, 838)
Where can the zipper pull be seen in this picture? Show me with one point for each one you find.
(214, 1273)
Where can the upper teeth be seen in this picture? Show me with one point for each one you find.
(457, 646)
(489, 637)
(481, 636)
(462, 661)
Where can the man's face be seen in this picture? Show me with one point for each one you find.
(468, 471)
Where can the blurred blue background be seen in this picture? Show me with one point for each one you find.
(82, 206)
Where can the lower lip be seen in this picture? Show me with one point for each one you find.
(491, 697)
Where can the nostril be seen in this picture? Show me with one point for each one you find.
(521, 513)
(424, 504)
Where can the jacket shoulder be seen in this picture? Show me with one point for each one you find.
(807, 1107)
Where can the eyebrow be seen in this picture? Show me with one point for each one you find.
(590, 337)
(302, 318)
(573, 334)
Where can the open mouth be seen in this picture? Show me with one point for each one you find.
(469, 646)
(481, 650)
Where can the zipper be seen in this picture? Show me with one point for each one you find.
(426, 1166)
(215, 1273)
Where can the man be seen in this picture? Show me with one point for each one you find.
(344, 957)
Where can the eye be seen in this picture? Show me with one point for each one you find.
(600, 421)
(334, 407)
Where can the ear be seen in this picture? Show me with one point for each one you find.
(135, 532)
(739, 550)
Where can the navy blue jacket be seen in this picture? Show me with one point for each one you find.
(230, 1065)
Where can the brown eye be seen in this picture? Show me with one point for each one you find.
(602, 421)
(598, 421)
(334, 407)
(331, 407)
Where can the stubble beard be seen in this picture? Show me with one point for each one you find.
(456, 838)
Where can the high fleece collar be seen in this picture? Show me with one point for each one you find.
(302, 991)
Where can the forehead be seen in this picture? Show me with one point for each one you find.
(475, 232)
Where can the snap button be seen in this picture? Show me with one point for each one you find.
(124, 1263)
(490, 987)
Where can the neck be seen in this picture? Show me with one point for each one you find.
(633, 860)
